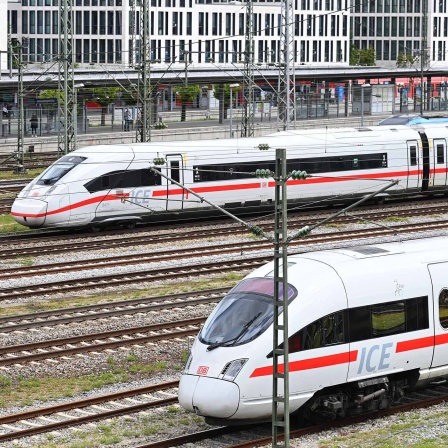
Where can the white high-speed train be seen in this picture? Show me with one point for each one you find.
(100, 185)
(366, 324)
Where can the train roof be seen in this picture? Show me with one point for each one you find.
(315, 140)
(419, 251)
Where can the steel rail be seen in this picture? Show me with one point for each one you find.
(134, 236)
(208, 268)
(160, 256)
(97, 344)
(98, 311)
(86, 419)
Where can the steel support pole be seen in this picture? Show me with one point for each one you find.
(66, 138)
(286, 88)
(423, 53)
(247, 127)
(145, 96)
(21, 120)
(362, 106)
(280, 395)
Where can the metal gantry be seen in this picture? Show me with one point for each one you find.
(132, 34)
(247, 128)
(145, 97)
(66, 80)
(423, 53)
(20, 169)
(286, 87)
(280, 395)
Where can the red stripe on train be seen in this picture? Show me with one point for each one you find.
(415, 344)
(97, 199)
(220, 188)
(307, 364)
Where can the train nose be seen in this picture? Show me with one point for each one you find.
(210, 397)
(29, 212)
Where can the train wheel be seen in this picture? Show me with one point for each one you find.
(95, 228)
(130, 225)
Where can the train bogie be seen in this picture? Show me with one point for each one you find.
(365, 325)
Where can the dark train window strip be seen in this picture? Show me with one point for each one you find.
(362, 323)
(124, 179)
(330, 164)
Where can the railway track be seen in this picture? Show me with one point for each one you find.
(130, 401)
(246, 434)
(50, 418)
(20, 322)
(74, 242)
(197, 269)
(95, 342)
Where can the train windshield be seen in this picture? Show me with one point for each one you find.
(243, 314)
(59, 169)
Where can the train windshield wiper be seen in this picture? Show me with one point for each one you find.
(234, 340)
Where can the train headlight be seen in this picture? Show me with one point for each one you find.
(232, 369)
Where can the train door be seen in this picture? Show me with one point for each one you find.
(425, 162)
(439, 163)
(439, 279)
(175, 196)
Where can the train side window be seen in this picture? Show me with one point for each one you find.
(443, 308)
(440, 154)
(328, 330)
(388, 318)
(175, 170)
(413, 155)
(417, 314)
(149, 178)
(359, 323)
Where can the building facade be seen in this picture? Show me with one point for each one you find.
(396, 27)
(212, 32)
(3, 34)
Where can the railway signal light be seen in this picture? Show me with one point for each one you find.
(159, 161)
(298, 175)
(263, 174)
(263, 146)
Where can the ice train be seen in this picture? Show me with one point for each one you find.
(101, 185)
(366, 325)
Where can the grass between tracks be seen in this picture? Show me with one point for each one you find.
(408, 430)
(7, 225)
(132, 430)
(227, 280)
(9, 175)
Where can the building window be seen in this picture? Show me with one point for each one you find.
(189, 23)
(110, 23)
(401, 26)
(25, 22)
(118, 18)
(94, 22)
(86, 23)
(32, 22)
(103, 24)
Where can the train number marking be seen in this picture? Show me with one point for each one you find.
(202, 370)
(367, 362)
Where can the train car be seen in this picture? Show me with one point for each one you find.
(412, 120)
(367, 324)
(102, 185)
